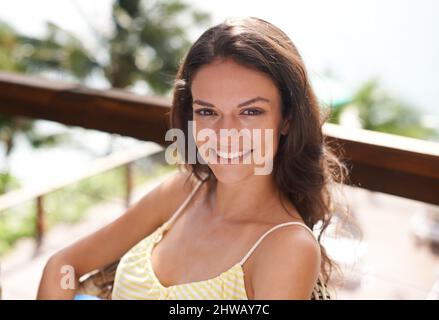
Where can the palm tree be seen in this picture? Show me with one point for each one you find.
(147, 41)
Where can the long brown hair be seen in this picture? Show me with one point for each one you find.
(304, 166)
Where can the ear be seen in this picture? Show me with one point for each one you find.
(285, 126)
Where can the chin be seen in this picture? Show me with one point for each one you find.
(231, 173)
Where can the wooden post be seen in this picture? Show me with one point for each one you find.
(129, 183)
(40, 221)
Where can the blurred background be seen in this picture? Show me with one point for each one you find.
(374, 64)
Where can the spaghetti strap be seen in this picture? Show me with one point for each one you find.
(184, 204)
(269, 231)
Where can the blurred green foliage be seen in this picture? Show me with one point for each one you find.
(378, 110)
(147, 40)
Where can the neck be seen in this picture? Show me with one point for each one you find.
(241, 200)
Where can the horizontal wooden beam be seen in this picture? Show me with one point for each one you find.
(388, 163)
(380, 162)
(98, 166)
(113, 111)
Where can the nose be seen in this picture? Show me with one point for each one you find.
(231, 134)
(226, 122)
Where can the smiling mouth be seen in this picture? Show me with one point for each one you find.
(229, 156)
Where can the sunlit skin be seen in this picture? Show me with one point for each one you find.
(227, 95)
(221, 224)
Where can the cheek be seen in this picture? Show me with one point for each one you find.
(205, 139)
(269, 135)
(202, 133)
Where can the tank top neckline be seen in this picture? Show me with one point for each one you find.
(156, 239)
(158, 235)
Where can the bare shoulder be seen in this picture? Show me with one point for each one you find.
(139, 220)
(169, 195)
(287, 264)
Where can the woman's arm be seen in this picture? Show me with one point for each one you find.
(287, 265)
(109, 243)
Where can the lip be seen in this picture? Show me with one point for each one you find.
(229, 156)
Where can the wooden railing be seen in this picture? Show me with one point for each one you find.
(381, 162)
(38, 193)
(113, 111)
(392, 164)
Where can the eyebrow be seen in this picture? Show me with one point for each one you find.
(242, 104)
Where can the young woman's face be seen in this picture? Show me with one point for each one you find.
(227, 95)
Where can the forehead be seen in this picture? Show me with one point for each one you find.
(225, 81)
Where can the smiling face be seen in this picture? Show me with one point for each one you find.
(227, 95)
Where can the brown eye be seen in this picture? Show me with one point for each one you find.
(204, 112)
(251, 112)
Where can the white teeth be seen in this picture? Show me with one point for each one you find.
(231, 155)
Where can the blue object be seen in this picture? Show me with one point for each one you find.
(86, 297)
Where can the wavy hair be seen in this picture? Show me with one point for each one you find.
(304, 167)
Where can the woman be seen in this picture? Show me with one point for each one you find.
(219, 230)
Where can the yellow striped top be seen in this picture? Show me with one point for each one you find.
(135, 278)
